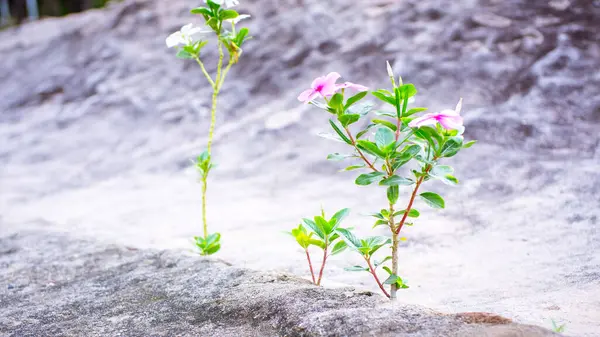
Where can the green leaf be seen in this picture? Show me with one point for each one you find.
(340, 133)
(301, 236)
(355, 99)
(450, 180)
(378, 263)
(348, 119)
(351, 240)
(228, 14)
(353, 167)
(338, 157)
(381, 223)
(433, 199)
(413, 213)
(336, 102)
(384, 137)
(213, 238)
(430, 135)
(395, 279)
(330, 136)
(389, 271)
(361, 133)
(469, 144)
(410, 151)
(444, 173)
(378, 216)
(396, 180)
(451, 146)
(413, 111)
(392, 194)
(242, 36)
(315, 228)
(339, 247)
(323, 224)
(368, 178)
(356, 268)
(182, 54)
(373, 243)
(391, 279)
(212, 249)
(385, 96)
(386, 123)
(202, 10)
(408, 90)
(210, 245)
(318, 243)
(441, 171)
(385, 113)
(360, 109)
(338, 217)
(370, 147)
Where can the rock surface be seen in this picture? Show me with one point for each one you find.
(98, 121)
(64, 287)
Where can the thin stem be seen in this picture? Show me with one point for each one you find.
(210, 80)
(376, 278)
(204, 222)
(312, 273)
(412, 197)
(394, 287)
(410, 203)
(359, 151)
(213, 121)
(213, 113)
(322, 266)
(229, 64)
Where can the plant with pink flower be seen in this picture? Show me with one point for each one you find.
(395, 149)
(326, 87)
(189, 42)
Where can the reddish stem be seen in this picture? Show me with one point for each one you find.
(410, 203)
(312, 273)
(322, 266)
(359, 151)
(412, 198)
(377, 278)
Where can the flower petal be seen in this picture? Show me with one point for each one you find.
(458, 106)
(174, 40)
(451, 122)
(318, 82)
(239, 18)
(427, 119)
(354, 86)
(186, 28)
(332, 77)
(307, 95)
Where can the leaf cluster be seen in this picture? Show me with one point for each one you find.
(215, 16)
(209, 245)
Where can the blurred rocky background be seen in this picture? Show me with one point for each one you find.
(99, 121)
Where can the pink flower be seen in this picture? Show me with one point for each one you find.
(354, 86)
(325, 86)
(449, 119)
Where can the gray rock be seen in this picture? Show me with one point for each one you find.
(98, 121)
(71, 287)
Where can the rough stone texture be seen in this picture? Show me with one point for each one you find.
(64, 287)
(98, 121)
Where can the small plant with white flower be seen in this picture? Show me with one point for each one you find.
(190, 41)
(396, 149)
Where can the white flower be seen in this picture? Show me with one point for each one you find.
(389, 69)
(228, 3)
(239, 18)
(186, 36)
